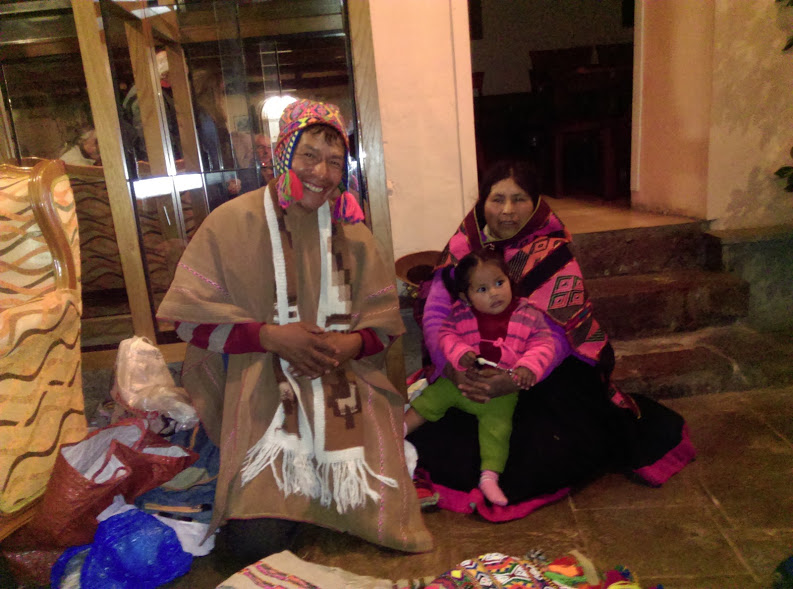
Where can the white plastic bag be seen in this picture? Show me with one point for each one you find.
(144, 385)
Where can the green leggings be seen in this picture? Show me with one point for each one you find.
(494, 417)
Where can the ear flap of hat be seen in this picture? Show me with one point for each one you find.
(288, 185)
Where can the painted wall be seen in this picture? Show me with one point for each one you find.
(672, 102)
(513, 28)
(712, 101)
(421, 50)
(751, 129)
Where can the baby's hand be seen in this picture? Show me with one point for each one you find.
(524, 377)
(468, 360)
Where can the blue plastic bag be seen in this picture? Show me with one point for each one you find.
(131, 550)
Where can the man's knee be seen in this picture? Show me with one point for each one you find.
(248, 540)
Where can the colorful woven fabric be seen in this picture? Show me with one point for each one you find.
(295, 119)
(534, 571)
(499, 570)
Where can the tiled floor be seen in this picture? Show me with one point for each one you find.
(726, 521)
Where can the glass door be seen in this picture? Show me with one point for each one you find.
(163, 113)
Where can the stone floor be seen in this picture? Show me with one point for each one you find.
(725, 521)
(588, 215)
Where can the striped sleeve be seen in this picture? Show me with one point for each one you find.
(243, 338)
(225, 338)
(370, 343)
(455, 336)
(436, 310)
(541, 355)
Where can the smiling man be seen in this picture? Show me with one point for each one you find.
(289, 309)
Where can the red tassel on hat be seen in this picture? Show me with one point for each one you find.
(289, 187)
(347, 210)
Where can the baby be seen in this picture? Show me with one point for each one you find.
(487, 326)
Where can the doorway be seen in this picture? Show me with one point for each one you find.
(557, 91)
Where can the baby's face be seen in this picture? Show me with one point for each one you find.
(489, 291)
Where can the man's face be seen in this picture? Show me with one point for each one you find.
(264, 154)
(90, 146)
(319, 164)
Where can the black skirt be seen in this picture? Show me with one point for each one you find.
(566, 431)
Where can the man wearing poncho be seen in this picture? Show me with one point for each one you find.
(287, 281)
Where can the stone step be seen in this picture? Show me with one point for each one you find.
(644, 305)
(710, 360)
(641, 250)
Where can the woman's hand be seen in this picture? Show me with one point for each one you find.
(482, 385)
(303, 345)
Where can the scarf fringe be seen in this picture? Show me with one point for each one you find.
(350, 485)
(297, 470)
(345, 483)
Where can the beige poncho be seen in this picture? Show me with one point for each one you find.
(331, 452)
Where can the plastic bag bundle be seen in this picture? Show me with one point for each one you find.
(144, 385)
(121, 459)
(131, 550)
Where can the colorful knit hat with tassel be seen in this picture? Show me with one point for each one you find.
(295, 119)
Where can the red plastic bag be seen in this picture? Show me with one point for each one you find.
(120, 459)
(156, 462)
(31, 567)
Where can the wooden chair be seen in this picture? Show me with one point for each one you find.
(581, 112)
(40, 306)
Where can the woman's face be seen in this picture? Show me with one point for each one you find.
(507, 208)
(319, 165)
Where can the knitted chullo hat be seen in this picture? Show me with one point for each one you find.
(295, 119)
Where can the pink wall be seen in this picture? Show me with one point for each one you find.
(713, 110)
(422, 55)
(672, 103)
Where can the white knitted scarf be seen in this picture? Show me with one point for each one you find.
(306, 466)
